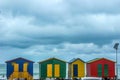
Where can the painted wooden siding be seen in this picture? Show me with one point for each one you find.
(25, 67)
(57, 71)
(49, 70)
(75, 70)
(17, 65)
(81, 68)
(103, 71)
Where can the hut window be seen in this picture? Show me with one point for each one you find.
(57, 70)
(105, 70)
(49, 70)
(16, 67)
(25, 66)
(99, 70)
(75, 70)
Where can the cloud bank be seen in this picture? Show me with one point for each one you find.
(53, 28)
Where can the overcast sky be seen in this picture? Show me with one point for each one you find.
(65, 29)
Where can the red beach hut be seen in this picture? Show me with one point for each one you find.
(101, 67)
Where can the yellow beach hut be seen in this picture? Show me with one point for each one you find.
(76, 68)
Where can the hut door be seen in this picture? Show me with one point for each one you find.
(16, 67)
(99, 70)
(75, 70)
(57, 70)
(49, 70)
(25, 65)
(105, 70)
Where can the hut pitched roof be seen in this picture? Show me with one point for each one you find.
(18, 59)
(96, 59)
(51, 59)
(74, 59)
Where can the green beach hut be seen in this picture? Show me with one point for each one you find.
(52, 68)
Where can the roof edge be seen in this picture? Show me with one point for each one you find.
(96, 59)
(75, 60)
(51, 59)
(19, 58)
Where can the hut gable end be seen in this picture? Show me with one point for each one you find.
(99, 59)
(20, 58)
(52, 59)
(74, 60)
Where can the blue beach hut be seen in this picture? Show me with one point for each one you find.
(20, 68)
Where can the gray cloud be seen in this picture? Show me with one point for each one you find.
(51, 28)
(80, 29)
(66, 51)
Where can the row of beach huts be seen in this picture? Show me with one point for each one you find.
(21, 68)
